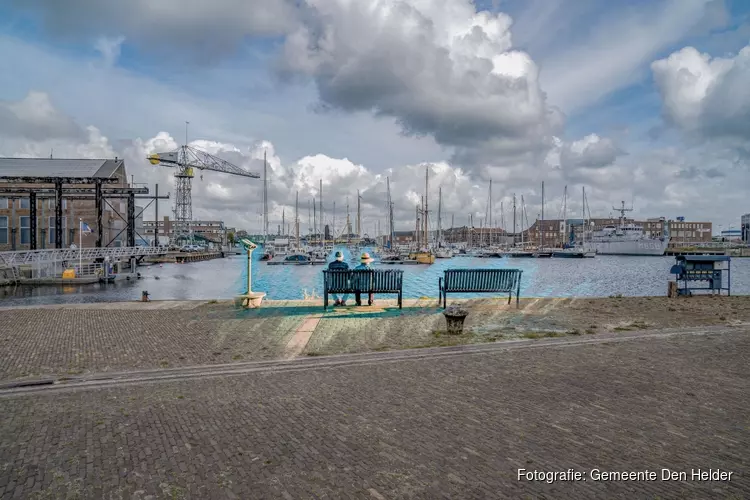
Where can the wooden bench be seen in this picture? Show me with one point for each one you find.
(480, 281)
(363, 281)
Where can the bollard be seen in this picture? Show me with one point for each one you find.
(144, 296)
(454, 317)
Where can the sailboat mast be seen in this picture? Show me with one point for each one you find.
(541, 227)
(418, 229)
(315, 218)
(309, 217)
(514, 219)
(359, 216)
(296, 220)
(424, 204)
(440, 214)
(265, 198)
(489, 209)
(565, 214)
(523, 210)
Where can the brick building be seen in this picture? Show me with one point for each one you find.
(15, 226)
(681, 232)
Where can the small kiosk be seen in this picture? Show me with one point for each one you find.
(702, 272)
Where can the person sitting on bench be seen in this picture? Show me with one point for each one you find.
(365, 261)
(339, 265)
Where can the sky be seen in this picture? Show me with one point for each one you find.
(645, 102)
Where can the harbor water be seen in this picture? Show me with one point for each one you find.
(602, 276)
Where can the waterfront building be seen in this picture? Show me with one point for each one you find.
(557, 232)
(213, 231)
(15, 226)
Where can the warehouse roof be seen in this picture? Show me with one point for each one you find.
(58, 167)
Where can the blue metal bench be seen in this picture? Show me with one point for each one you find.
(363, 281)
(480, 281)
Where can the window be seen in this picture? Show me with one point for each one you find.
(53, 232)
(4, 230)
(25, 230)
(24, 203)
(3, 203)
(51, 204)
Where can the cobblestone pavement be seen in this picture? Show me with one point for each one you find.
(74, 341)
(438, 427)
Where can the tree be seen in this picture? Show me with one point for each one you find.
(230, 238)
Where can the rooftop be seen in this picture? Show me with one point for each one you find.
(59, 167)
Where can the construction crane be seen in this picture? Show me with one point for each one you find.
(187, 159)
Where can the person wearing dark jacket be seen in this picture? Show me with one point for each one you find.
(339, 265)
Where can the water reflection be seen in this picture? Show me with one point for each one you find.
(225, 278)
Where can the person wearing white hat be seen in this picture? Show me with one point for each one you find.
(365, 261)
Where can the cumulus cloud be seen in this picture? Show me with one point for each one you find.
(36, 118)
(202, 31)
(590, 152)
(706, 95)
(438, 67)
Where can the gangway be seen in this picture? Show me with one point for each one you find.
(50, 256)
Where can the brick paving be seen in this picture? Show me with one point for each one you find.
(39, 342)
(448, 427)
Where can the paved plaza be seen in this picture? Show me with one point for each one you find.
(438, 423)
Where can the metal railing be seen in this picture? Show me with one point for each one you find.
(72, 254)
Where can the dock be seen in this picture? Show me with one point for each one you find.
(182, 257)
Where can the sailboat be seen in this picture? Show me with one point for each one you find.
(424, 255)
(522, 252)
(441, 251)
(576, 251)
(541, 251)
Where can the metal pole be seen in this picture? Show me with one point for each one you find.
(80, 244)
(32, 221)
(58, 213)
(99, 209)
(156, 217)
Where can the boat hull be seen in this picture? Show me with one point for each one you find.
(629, 247)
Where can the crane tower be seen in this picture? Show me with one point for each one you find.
(186, 159)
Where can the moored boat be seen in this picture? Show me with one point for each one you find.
(295, 259)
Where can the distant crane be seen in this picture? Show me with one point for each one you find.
(186, 159)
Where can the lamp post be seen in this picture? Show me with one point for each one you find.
(250, 299)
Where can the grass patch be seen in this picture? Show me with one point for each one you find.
(315, 353)
(214, 301)
(237, 357)
(164, 363)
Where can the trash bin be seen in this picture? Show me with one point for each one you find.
(454, 317)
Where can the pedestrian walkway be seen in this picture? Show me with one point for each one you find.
(458, 426)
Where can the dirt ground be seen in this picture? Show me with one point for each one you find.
(637, 313)
(491, 320)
